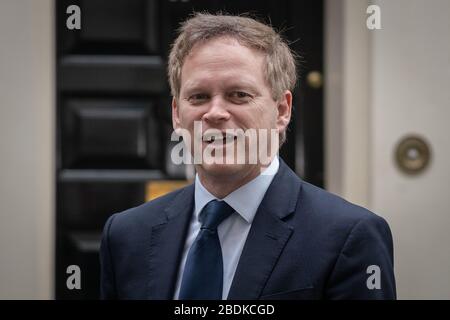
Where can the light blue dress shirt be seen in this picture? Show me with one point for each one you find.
(232, 231)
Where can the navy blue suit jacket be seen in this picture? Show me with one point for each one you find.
(304, 243)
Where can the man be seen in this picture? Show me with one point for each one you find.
(243, 230)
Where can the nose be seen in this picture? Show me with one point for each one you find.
(217, 111)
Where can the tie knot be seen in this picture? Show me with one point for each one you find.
(214, 213)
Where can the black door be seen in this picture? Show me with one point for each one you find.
(113, 113)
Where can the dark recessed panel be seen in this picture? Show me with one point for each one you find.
(111, 27)
(87, 205)
(104, 134)
(112, 74)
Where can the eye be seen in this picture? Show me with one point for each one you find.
(241, 96)
(198, 98)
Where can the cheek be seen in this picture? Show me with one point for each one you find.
(244, 119)
(268, 109)
(268, 115)
(188, 115)
(258, 116)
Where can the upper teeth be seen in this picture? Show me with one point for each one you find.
(210, 138)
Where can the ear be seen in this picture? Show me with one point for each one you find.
(284, 110)
(175, 114)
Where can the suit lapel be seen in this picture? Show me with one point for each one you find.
(268, 236)
(166, 245)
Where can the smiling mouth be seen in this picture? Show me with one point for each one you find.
(225, 139)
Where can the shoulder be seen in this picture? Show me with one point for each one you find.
(356, 238)
(145, 215)
(316, 208)
(334, 213)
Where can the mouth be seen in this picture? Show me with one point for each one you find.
(218, 139)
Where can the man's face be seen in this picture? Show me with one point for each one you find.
(223, 87)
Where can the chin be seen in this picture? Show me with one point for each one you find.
(224, 170)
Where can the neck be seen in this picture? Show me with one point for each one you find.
(222, 185)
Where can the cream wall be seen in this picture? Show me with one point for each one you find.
(27, 149)
(347, 68)
(411, 93)
(406, 91)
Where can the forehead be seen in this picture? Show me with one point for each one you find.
(225, 58)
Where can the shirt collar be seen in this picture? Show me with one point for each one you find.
(246, 199)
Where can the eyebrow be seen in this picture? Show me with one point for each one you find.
(240, 84)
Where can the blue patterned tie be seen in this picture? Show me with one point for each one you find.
(203, 271)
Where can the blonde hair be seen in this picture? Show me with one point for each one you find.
(280, 64)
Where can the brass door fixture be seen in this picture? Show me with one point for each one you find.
(412, 154)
